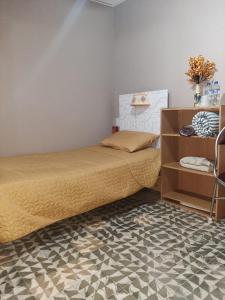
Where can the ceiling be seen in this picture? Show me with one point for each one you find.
(111, 3)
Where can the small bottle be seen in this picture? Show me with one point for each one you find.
(216, 92)
(207, 88)
(210, 95)
(216, 88)
(211, 88)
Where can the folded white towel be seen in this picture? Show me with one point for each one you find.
(197, 163)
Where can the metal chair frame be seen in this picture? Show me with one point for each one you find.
(218, 181)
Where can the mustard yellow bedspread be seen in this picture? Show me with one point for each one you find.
(38, 190)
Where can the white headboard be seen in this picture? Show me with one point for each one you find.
(142, 118)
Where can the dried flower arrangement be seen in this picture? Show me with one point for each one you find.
(200, 70)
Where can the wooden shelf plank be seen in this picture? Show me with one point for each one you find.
(190, 200)
(189, 137)
(176, 166)
(210, 108)
(141, 104)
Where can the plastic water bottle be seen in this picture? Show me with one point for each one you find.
(216, 92)
(211, 90)
(210, 97)
(216, 88)
(207, 88)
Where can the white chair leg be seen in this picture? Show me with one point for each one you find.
(213, 202)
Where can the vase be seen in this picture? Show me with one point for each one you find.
(197, 96)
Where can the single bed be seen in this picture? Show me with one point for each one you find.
(38, 190)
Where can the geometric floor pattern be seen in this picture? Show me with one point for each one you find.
(134, 249)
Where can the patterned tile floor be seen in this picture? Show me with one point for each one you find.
(136, 248)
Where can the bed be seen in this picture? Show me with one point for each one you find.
(38, 190)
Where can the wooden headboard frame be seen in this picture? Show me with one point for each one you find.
(142, 118)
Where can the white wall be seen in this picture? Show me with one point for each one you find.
(58, 57)
(154, 38)
(56, 88)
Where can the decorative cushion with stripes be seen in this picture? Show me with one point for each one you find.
(206, 123)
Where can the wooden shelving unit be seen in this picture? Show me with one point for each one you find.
(186, 187)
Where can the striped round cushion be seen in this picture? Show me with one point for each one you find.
(206, 123)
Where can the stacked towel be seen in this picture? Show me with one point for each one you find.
(197, 163)
(206, 123)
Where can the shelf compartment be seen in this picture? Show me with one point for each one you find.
(176, 147)
(178, 167)
(190, 200)
(172, 120)
(175, 177)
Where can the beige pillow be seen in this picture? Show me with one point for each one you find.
(129, 141)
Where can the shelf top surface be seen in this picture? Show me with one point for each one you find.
(178, 167)
(211, 108)
(139, 104)
(188, 137)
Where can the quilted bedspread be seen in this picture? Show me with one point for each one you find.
(38, 190)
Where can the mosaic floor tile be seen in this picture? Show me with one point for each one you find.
(138, 248)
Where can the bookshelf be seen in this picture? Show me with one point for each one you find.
(189, 188)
